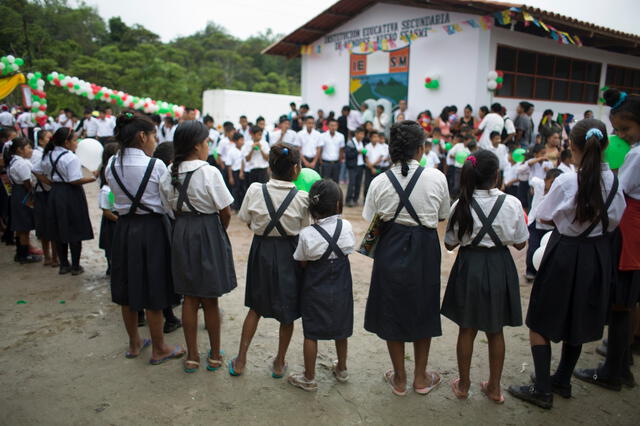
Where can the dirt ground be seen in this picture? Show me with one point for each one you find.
(62, 363)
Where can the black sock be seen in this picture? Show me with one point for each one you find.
(18, 251)
(568, 361)
(63, 253)
(76, 249)
(542, 364)
(617, 345)
(168, 314)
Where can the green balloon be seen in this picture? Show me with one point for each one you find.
(61, 77)
(19, 61)
(461, 157)
(50, 77)
(330, 90)
(423, 161)
(616, 151)
(518, 155)
(447, 145)
(364, 151)
(499, 80)
(306, 179)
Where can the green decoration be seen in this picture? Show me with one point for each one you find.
(330, 90)
(447, 146)
(306, 179)
(112, 198)
(616, 151)
(62, 302)
(461, 157)
(21, 302)
(499, 80)
(423, 161)
(364, 151)
(518, 155)
(19, 62)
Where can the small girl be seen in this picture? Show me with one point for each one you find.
(566, 162)
(570, 297)
(106, 203)
(326, 300)
(40, 198)
(201, 258)
(22, 220)
(483, 293)
(275, 212)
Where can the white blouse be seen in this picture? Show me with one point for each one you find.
(312, 245)
(19, 170)
(68, 166)
(629, 173)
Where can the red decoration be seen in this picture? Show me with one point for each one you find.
(325, 87)
(500, 73)
(43, 108)
(70, 85)
(427, 80)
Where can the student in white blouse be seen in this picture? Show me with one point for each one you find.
(310, 142)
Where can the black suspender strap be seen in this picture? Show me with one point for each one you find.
(54, 164)
(487, 221)
(183, 198)
(135, 201)
(404, 194)
(604, 214)
(333, 241)
(276, 215)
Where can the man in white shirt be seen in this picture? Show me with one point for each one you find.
(310, 143)
(89, 124)
(332, 152)
(381, 121)
(25, 121)
(367, 113)
(6, 119)
(492, 122)
(402, 109)
(509, 127)
(283, 134)
(355, 118)
(104, 127)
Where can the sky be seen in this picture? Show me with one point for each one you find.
(243, 18)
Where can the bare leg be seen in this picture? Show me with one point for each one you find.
(341, 350)
(248, 330)
(396, 352)
(130, 319)
(310, 356)
(464, 350)
(45, 251)
(496, 362)
(190, 326)
(54, 254)
(421, 354)
(155, 321)
(286, 331)
(212, 321)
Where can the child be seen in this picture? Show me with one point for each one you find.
(67, 211)
(575, 275)
(107, 205)
(523, 172)
(40, 198)
(483, 293)
(539, 165)
(256, 157)
(22, 220)
(510, 177)
(7, 134)
(326, 299)
(537, 229)
(275, 212)
(140, 258)
(430, 158)
(405, 283)
(224, 144)
(235, 169)
(566, 162)
(201, 258)
(501, 151)
(458, 151)
(355, 166)
(164, 153)
(375, 153)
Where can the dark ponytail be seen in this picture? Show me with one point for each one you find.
(16, 144)
(480, 171)
(59, 138)
(590, 137)
(189, 134)
(405, 139)
(325, 199)
(626, 106)
(128, 127)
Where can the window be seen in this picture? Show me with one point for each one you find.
(627, 79)
(534, 75)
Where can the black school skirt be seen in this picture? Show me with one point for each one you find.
(201, 257)
(40, 214)
(626, 284)
(483, 291)
(326, 300)
(274, 278)
(107, 229)
(21, 216)
(67, 214)
(141, 263)
(570, 297)
(404, 297)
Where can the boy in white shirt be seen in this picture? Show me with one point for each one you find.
(373, 157)
(460, 147)
(310, 143)
(235, 165)
(430, 159)
(256, 157)
(566, 164)
(332, 152)
(283, 134)
(354, 160)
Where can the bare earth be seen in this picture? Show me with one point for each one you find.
(63, 364)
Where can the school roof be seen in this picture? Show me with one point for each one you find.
(344, 10)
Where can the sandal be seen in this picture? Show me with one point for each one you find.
(300, 381)
(232, 370)
(456, 390)
(341, 375)
(273, 370)
(191, 366)
(214, 364)
(145, 344)
(435, 382)
(388, 377)
(484, 388)
(177, 352)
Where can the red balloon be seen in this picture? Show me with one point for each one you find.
(325, 87)
(70, 85)
(43, 107)
(427, 80)
(114, 100)
(131, 105)
(500, 73)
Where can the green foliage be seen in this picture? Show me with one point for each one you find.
(76, 41)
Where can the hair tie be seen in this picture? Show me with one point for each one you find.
(621, 99)
(473, 160)
(594, 132)
(128, 114)
(285, 151)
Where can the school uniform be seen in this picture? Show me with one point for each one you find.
(502, 153)
(523, 174)
(234, 160)
(40, 196)
(326, 299)
(537, 229)
(575, 276)
(404, 297)
(201, 257)
(457, 167)
(104, 129)
(309, 142)
(375, 154)
(331, 147)
(355, 168)
(275, 212)
(107, 227)
(431, 160)
(141, 253)
(258, 167)
(511, 173)
(289, 137)
(539, 170)
(483, 292)
(566, 168)
(22, 219)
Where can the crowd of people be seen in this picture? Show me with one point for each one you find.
(168, 190)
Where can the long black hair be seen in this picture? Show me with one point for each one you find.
(59, 138)
(405, 139)
(128, 127)
(589, 203)
(16, 144)
(480, 171)
(282, 160)
(626, 106)
(325, 199)
(188, 135)
(110, 149)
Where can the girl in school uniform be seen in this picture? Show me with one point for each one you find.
(235, 170)
(404, 297)
(22, 221)
(106, 203)
(483, 293)
(141, 253)
(275, 212)
(575, 276)
(67, 216)
(40, 197)
(326, 299)
(201, 258)
(625, 118)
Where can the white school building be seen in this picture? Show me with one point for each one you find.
(358, 50)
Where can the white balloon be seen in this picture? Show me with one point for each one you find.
(537, 257)
(15, 67)
(545, 239)
(491, 85)
(36, 104)
(29, 76)
(11, 58)
(55, 74)
(492, 75)
(1, 66)
(89, 153)
(40, 114)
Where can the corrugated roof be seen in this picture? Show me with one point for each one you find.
(344, 10)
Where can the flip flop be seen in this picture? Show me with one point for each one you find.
(232, 370)
(388, 377)
(194, 366)
(485, 391)
(276, 375)
(456, 390)
(145, 344)
(177, 353)
(435, 382)
(214, 364)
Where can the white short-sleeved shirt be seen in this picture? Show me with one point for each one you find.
(566, 168)
(90, 127)
(375, 153)
(509, 225)
(539, 169)
(6, 119)
(559, 205)
(36, 159)
(522, 171)
(359, 147)
(233, 158)
(254, 210)
(502, 153)
(19, 170)
(214, 135)
(312, 245)
(131, 171)
(459, 147)
(309, 142)
(68, 166)
(104, 199)
(331, 146)
(386, 160)
(629, 173)
(277, 137)
(354, 120)
(491, 122)
(257, 160)
(207, 191)
(510, 172)
(431, 159)
(223, 147)
(25, 120)
(509, 126)
(246, 133)
(538, 195)
(430, 197)
(104, 127)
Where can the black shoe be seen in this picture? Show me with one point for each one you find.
(557, 388)
(591, 375)
(77, 270)
(171, 326)
(141, 319)
(30, 258)
(628, 380)
(635, 346)
(529, 394)
(64, 270)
